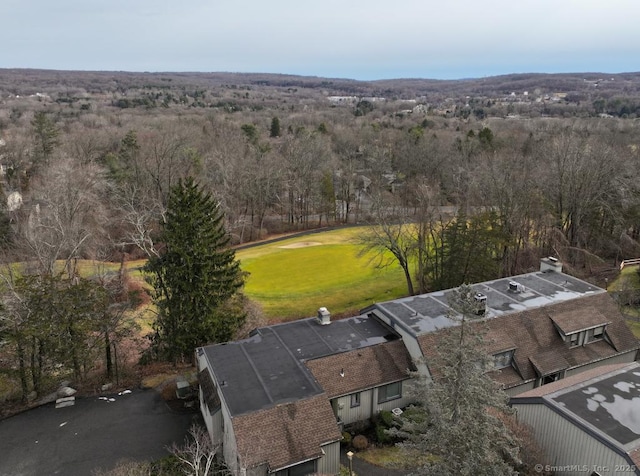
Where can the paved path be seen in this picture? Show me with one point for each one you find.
(91, 434)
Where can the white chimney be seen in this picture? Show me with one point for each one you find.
(550, 264)
(324, 316)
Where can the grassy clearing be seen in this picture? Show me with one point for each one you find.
(392, 457)
(293, 278)
(627, 279)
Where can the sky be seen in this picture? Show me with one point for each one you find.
(356, 39)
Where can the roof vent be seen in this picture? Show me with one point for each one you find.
(515, 287)
(481, 304)
(324, 316)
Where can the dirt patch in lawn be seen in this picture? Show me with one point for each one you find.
(301, 244)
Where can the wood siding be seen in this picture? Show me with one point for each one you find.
(221, 428)
(569, 449)
(369, 405)
(349, 414)
(329, 463)
(627, 357)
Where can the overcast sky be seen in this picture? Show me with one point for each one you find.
(359, 39)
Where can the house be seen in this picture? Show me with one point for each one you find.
(278, 401)
(587, 423)
(540, 327)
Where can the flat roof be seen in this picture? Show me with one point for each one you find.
(610, 404)
(268, 368)
(430, 312)
(604, 401)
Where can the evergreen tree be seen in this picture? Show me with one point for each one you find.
(275, 127)
(459, 420)
(196, 278)
(46, 137)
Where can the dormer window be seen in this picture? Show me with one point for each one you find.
(503, 359)
(585, 337)
(580, 326)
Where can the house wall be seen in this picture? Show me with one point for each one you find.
(349, 415)
(329, 463)
(569, 449)
(513, 391)
(403, 401)
(369, 405)
(257, 471)
(220, 426)
(627, 357)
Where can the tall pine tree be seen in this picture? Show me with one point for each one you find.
(458, 425)
(196, 279)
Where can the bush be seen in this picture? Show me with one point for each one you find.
(344, 471)
(381, 435)
(360, 443)
(383, 421)
(346, 438)
(386, 418)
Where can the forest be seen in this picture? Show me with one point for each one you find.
(460, 181)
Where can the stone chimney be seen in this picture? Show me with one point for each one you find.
(324, 316)
(550, 264)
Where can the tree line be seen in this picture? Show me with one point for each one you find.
(452, 200)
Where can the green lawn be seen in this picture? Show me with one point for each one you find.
(627, 279)
(293, 278)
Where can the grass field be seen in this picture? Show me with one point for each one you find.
(628, 278)
(293, 278)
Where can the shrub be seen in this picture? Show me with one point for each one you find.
(344, 471)
(360, 443)
(383, 421)
(346, 438)
(386, 418)
(381, 435)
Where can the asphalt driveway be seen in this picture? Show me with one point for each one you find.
(94, 433)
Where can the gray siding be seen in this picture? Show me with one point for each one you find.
(221, 429)
(513, 391)
(627, 357)
(369, 405)
(568, 448)
(349, 414)
(329, 463)
(403, 401)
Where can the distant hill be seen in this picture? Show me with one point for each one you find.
(32, 81)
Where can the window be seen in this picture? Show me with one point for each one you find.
(550, 378)
(503, 359)
(585, 337)
(390, 392)
(355, 400)
(574, 339)
(598, 334)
